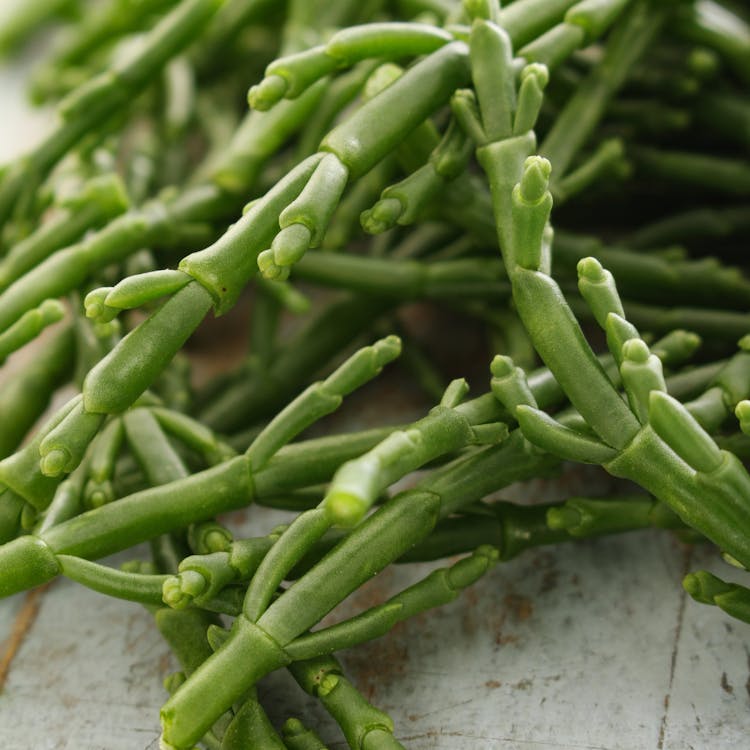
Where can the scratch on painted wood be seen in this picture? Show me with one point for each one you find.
(21, 628)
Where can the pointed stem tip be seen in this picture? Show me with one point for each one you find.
(535, 180)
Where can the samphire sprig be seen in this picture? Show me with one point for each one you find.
(566, 106)
(704, 485)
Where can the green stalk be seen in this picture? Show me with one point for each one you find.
(575, 124)
(100, 98)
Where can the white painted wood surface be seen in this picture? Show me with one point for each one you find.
(592, 645)
(589, 646)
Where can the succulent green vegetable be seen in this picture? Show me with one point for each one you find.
(509, 170)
